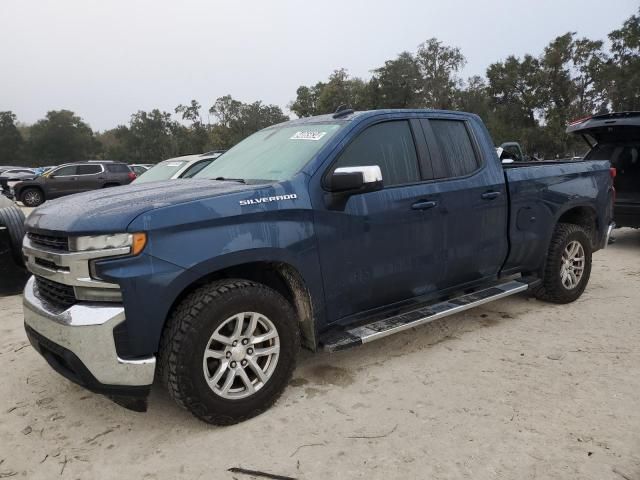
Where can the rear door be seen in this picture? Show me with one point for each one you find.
(88, 177)
(472, 198)
(383, 247)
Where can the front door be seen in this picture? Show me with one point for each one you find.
(386, 246)
(62, 181)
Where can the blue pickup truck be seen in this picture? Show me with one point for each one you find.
(329, 232)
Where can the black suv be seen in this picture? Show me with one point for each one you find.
(616, 137)
(72, 178)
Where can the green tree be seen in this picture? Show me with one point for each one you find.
(624, 70)
(237, 120)
(61, 137)
(439, 65)
(474, 97)
(195, 138)
(340, 89)
(515, 90)
(11, 141)
(589, 64)
(149, 138)
(397, 84)
(306, 102)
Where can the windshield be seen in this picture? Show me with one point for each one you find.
(162, 171)
(273, 154)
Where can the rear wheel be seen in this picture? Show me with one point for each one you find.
(568, 265)
(229, 350)
(32, 197)
(13, 218)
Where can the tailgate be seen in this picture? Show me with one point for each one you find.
(608, 128)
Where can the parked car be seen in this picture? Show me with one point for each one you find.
(8, 178)
(616, 137)
(180, 167)
(332, 231)
(72, 178)
(7, 167)
(140, 168)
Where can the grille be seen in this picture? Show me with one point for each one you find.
(57, 294)
(49, 241)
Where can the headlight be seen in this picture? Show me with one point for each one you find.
(12, 183)
(135, 242)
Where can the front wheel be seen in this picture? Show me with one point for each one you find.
(32, 197)
(229, 350)
(568, 265)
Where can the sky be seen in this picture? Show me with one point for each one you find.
(106, 59)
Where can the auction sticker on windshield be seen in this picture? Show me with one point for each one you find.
(314, 135)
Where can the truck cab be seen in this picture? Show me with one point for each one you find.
(328, 231)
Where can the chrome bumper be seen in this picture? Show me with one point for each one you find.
(86, 330)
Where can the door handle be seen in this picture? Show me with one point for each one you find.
(490, 195)
(424, 205)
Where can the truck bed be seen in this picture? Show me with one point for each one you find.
(540, 192)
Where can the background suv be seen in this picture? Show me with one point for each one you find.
(72, 178)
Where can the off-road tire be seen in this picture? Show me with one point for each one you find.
(13, 218)
(185, 337)
(552, 288)
(27, 202)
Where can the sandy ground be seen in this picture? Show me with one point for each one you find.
(518, 389)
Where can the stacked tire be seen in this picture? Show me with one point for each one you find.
(12, 218)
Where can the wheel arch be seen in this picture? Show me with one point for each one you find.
(584, 216)
(280, 276)
(22, 189)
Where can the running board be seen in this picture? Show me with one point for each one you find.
(351, 337)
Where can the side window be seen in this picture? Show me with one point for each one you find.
(65, 171)
(456, 150)
(195, 168)
(88, 169)
(388, 145)
(117, 168)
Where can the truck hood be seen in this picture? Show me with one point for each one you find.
(113, 209)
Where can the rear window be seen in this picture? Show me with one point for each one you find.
(456, 149)
(117, 168)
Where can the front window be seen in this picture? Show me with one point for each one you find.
(67, 171)
(162, 171)
(273, 154)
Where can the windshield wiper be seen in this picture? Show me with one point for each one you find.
(224, 179)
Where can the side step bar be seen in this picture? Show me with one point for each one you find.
(354, 336)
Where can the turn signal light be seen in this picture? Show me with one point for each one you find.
(139, 242)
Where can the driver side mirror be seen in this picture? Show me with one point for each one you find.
(354, 180)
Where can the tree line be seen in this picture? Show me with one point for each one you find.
(528, 99)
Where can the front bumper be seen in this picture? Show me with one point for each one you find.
(79, 344)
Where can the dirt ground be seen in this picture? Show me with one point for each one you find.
(517, 389)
